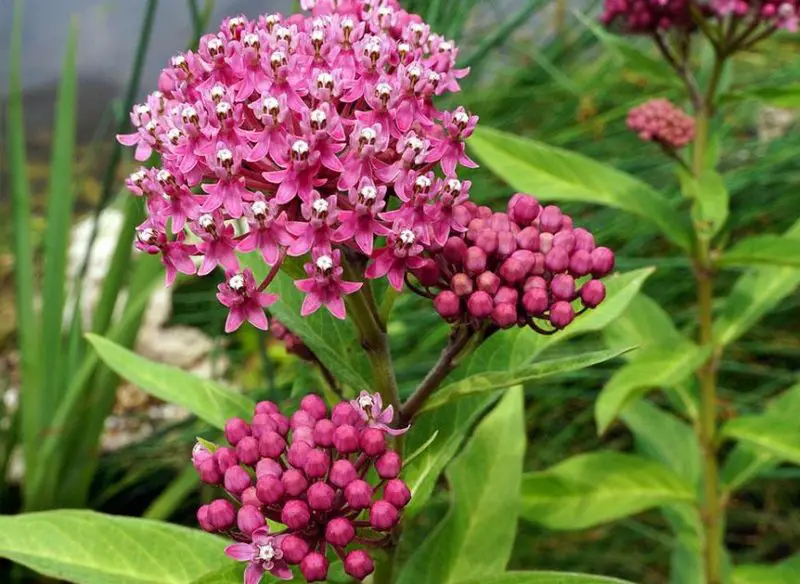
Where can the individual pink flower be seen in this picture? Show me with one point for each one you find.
(245, 302)
(401, 254)
(298, 177)
(263, 554)
(176, 256)
(266, 229)
(218, 245)
(451, 151)
(316, 231)
(370, 409)
(325, 286)
(361, 223)
(366, 143)
(229, 191)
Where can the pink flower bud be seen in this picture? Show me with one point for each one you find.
(583, 239)
(345, 439)
(488, 282)
(323, 433)
(248, 519)
(282, 423)
(343, 413)
(506, 295)
(343, 473)
(580, 263)
(321, 497)
(535, 301)
(383, 516)
(512, 271)
(506, 244)
(295, 514)
(475, 260)
(535, 282)
(428, 275)
(528, 239)
(602, 261)
(523, 208)
(561, 314)
(271, 444)
(461, 284)
(268, 467)
(504, 315)
(373, 442)
(454, 250)
(563, 287)
(538, 264)
(556, 260)
(202, 519)
(302, 419)
(262, 423)
(314, 405)
(358, 564)
(447, 304)
(462, 215)
(250, 497)
(270, 489)
(267, 407)
(294, 482)
(226, 458)
(235, 430)
(388, 465)
(317, 464)
(297, 453)
(593, 293)
(396, 492)
(236, 480)
(480, 304)
(247, 450)
(499, 222)
(314, 567)
(551, 219)
(294, 549)
(358, 494)
(221, 515)
(565, 239)
(487, 241)
(340, 532)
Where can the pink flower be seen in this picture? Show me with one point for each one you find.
(325, 286)
(361, 223)
(370, 409)
(175, 255)
(267, 229)
(245, 301)
(218, 245)
(316, 232)
(366, 143)
(451, 151)
(263, 555)
(400, 255)
(298, 177)
(229, 191)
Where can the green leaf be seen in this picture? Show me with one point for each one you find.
(777, 436)
(785, 96)
(686, 559)
(477, 535)
(652, 368)
(644, 324)
(754, 294)
(207, 400)
(501, 378)
(710, 200)
(544, 578)
(556, 174)
(229, 575)
(786, 572)
(771, 250)
(590, 489)
(91, 548)
(333, 341)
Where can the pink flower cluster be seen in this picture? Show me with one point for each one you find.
(647, 16)
(517, 267)
(311, 473)
(658, 120)
(779, 13)
(311, 137)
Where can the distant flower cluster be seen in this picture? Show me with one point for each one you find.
(648, 16)
(516, 268)
(312, 474)
(312, 137)
(658, 120)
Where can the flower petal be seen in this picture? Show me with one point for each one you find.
(242, 552)
(253, 573)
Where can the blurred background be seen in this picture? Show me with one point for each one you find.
(540, 68)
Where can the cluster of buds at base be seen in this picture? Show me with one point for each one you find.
(294, 345)
(647, 16)
(658, 120)
(310, 472)
(516, 268)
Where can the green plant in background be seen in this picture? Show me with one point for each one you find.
(680, 473)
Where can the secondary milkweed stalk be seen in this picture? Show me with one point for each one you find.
(318, 137)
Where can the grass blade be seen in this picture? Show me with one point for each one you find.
(173, 496)
(32, 419)
(59, 221)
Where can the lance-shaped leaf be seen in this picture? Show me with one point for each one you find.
(544, 578)
(777, 436)
(769, 250)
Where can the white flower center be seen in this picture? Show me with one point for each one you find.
(369, 192)
(271, 104)
(205, 221)
(224, 155)
(151, 126)
(147, 235)
(445, 46)
(236, 282)
(461, 118)
(454, 184)
(365, 401)
(407, 236)
(300, 147)
(319, 117)
(423, 182)
(318, 35)
(347, 23)
(188, 113)
(324, 263)
(137, 176)
(217, 92)
(417, 28)
(415, 143)
(214, 45)
(179, 61)
(174, 134)
(224, 108)
(259, 208)
(320, 206)
(235, 22)
(164, 175)
(272, 19)
(383, 89)
(277, 57)
(434, 76)
(266, 552)
(283, 33)
(324, 80)
(368, 134)
(404, 47)
(251, 40)
(142, 110)
(157, 95)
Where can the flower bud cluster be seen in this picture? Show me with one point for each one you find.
(783, 14)
(658, 120)
(310, 472)
(647, 16)
(307, 136)
(294, 345)
(518, 267)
